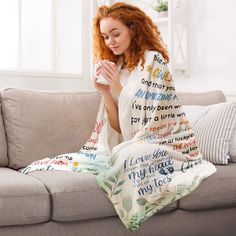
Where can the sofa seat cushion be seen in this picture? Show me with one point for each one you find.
(23, 199)
(76, 196)
(218, 190)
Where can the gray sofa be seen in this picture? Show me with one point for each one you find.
(37, 124)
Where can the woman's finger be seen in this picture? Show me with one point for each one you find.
(110, 66)
(106, 77)
(107, 72)
(98, 72)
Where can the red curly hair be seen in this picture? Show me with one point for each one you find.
(145, 34)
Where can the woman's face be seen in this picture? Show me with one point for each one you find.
(116, 35)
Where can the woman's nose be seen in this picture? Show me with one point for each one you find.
(111, 41)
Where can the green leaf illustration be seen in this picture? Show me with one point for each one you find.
(145, 217)
(120, 183)
(118, 174)
(142, 201)
(103, 189)
(112, 179)
(117, 192)
(127, 204)
(150, 209)
(134, 223)
(108, 185)
(121, 213)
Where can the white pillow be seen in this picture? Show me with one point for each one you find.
(213, 126)
(232, 146)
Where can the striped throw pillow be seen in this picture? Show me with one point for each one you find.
(232, 147)
(213, 126)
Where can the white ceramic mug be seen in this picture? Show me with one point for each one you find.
(100, 79)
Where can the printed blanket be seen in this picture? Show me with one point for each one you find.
(158, 160)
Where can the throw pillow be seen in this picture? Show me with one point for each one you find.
(213, 126)
(232, 148)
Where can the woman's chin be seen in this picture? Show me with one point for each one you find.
(117, 53)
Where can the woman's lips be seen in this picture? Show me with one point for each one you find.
(114, 48)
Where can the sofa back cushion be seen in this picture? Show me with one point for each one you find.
(201, 98)
(46, 123)
(3, 143)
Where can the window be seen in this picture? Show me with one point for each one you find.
(45, 36)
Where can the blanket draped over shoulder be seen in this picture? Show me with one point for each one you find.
(158, 160)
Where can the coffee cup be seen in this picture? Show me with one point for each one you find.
(100, 79)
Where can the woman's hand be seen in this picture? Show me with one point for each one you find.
(101, 88)
(110, 72)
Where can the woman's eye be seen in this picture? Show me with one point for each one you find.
(114, 35)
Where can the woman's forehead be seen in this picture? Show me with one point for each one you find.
(109, 24)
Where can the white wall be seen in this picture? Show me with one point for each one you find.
(45, 83)
(212, 54)
(212, 47)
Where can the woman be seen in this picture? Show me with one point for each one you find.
(122, 34)
(158, 161)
